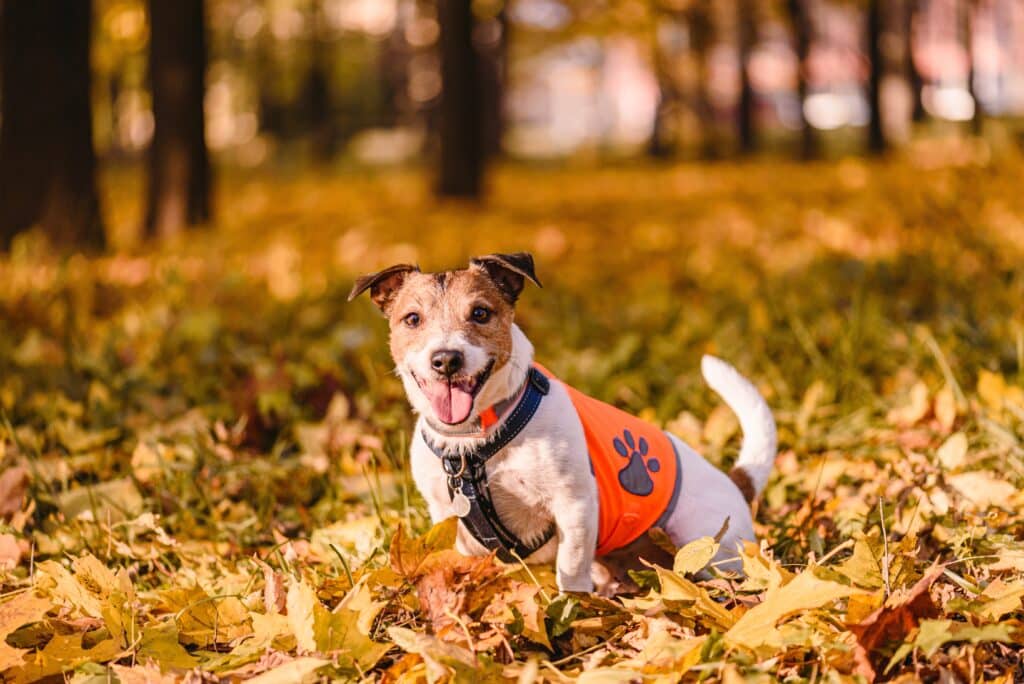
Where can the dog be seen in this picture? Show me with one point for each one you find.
(535, 470)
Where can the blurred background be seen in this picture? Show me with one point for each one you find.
(164, 90)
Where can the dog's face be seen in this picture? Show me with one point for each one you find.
(451, 332)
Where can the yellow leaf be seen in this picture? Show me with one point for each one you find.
(953, 452)
(676, 588)
(205, 620)
(693, 557)
(914, 410)
(945, 408)
(407, 555)
(720, 426)
(757, 627)
(983, 489)
(65, 652)
(23, 609)
(991, 389)
(440, 657)
(760, 571)
(293, 672)
(159, 643)
(1000, 598)
(302, 603)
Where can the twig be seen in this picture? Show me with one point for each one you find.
(885, 546)
(842, 547)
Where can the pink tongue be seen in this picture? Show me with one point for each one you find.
(451, 404)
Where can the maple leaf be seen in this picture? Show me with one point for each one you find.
(892, 622)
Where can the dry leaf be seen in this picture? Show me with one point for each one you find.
(953, 452)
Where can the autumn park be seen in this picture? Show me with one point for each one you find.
(215, 451)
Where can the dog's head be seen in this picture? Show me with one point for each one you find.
(451, 332)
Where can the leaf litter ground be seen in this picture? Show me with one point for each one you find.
(203, 447)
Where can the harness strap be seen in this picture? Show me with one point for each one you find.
(467, 473)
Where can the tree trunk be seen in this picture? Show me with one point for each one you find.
(876, 133)
(701, 28)
(802, 35)
(47, 160)
(321, 121)
(747, 104)
(914, 79)
(662, 143)
(461, 130)
(179, 164)
(493, 50)
(968, 8)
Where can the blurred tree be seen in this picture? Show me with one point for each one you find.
(179, 164)
(914, 80)
(321, 121)
(803, 29)
(461, 112)
(874, 24)
(491, 40)
(662, 143)
(700, 20)
(747, 107)
(968, 10)
(47, 160)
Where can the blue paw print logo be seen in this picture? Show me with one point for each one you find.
(635, 476)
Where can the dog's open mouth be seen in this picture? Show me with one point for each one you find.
(452, 398)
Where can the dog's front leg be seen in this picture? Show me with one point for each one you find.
(576, 522)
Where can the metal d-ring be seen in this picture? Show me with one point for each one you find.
(455, 479)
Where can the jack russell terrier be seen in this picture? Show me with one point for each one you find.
(535, 470)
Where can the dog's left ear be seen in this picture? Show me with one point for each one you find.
(508, 271)
(383, 286)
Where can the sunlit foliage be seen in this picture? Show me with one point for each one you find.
(202, 446)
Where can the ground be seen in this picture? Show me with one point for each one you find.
(204, 447)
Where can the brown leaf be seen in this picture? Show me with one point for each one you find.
(13, 483)
(10, 552)
(408, 554)
(893, 622)
(274, 595)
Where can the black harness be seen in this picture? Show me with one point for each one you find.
(467, 473)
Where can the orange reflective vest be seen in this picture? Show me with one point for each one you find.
(636, 467)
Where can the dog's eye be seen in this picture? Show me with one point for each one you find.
(412, 319)
(480, 314)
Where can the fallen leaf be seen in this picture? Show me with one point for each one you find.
(10, 552)
(693, 557)
(22, 609)
(945, 408)
(677, 588)
(983, 489)
(205, 620)
(934, 634)
(295, 671)
(916, 407)
(757, 627)
(13, 484)
(407, 555)
(891, 623)
(953, 452)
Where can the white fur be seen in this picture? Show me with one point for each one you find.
(757, 455)
(544, 476)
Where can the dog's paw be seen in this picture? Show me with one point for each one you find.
(635, 476)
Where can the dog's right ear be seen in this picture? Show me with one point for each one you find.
(383, 285)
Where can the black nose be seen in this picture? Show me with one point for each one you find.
(447, 362)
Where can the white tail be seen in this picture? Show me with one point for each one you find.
(757, 455)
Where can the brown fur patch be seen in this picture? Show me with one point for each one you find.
(444, 303)
(743, 482)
